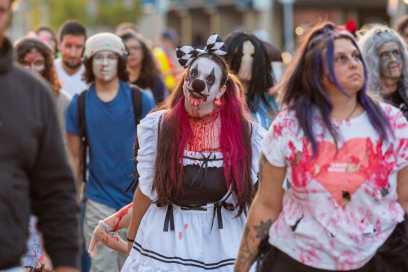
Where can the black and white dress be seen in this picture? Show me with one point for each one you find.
(198, 232)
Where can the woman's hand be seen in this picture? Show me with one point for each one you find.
(104, 234)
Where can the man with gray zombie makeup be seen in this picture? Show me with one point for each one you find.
(197, 161)
(386, 55)
(110, 125)
(385, 52)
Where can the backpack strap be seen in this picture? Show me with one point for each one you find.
(82, 135)
(137, 103)
(137, 111)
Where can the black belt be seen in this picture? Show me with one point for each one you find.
(169, 219)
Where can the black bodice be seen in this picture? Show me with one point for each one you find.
(201, 185)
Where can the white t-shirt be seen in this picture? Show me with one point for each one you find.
(72, 84)
(340, 206)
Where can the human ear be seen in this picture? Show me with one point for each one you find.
(222, 91)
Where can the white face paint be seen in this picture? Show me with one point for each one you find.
(34, 61)
(245, 70)
(202, 86)
(105, 65)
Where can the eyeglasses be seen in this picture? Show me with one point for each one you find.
(133, 49)
(345, 59)
(390, 54)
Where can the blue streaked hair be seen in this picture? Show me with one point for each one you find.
(302, 91)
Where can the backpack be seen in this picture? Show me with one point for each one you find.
(137, 111)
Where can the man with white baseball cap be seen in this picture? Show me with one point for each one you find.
(103, 120)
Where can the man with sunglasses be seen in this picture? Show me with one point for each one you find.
(34, 172)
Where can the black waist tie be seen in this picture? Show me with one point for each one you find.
(218, 212)
(169, 219)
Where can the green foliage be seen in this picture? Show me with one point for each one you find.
(60, 11)
(92, 13)
(111, 13)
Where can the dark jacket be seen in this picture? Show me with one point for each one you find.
(158, 88)
(34, 172)
(399, 99)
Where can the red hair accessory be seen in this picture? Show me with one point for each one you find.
(351, 26)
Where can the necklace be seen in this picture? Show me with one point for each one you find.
(352, 112)
(347, 118)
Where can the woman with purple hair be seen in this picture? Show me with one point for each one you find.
(333, 167)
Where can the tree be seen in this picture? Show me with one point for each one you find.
(61, 10)
(113, 12)
(92, 13)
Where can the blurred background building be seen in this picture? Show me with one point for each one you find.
(281, 22)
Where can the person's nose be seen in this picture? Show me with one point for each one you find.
(393, 57)
(354, 63)
(72, 52)
(198, 85)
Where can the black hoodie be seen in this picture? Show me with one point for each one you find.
(34, 173)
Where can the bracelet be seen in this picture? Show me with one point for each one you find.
(130, 240)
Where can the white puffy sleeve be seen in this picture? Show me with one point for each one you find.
(256, 140)
(147, 134)
(275, 145)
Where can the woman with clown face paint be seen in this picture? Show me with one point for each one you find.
(197, 163)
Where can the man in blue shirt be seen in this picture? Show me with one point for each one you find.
(111, 131)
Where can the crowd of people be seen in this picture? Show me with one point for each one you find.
(119, 154)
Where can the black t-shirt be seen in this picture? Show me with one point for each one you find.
(158, 89)
(399, 99)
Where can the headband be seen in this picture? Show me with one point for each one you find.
(186, 54)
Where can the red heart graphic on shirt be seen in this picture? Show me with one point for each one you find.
(342, 171)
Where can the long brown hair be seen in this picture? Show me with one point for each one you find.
(25, 45)
(149, 71)
(235, 142)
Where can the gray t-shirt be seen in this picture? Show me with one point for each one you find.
(62, 102)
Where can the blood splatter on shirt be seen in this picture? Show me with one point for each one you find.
(340, 204)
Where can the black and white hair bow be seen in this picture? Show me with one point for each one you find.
(187, 54)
